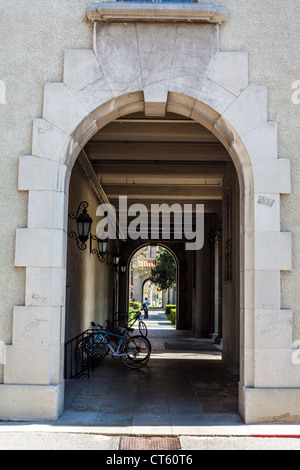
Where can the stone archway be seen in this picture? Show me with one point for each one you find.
(183, 72)
(132, 250)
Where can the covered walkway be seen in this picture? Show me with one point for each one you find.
(183, 390)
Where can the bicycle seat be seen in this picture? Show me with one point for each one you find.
(130, 329)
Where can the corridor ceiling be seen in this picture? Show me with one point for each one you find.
(158, 160)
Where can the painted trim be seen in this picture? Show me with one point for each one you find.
(156, 12)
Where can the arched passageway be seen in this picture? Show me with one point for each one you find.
(183, 166)
(199, 172)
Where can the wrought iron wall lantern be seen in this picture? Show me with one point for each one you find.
(84, 223)
(115, 260)
(103, 254)
(102, 248)
(117, 264)
(123, 268)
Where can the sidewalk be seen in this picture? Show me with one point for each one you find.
(183, 391)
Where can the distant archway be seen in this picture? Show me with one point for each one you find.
(140, 263)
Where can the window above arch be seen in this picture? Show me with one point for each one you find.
(160, 1)
(156, 11)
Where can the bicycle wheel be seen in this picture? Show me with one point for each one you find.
(137, 351)
(89, 353)
(143, 328)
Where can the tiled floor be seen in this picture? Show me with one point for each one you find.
(182, 389)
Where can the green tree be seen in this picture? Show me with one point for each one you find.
(163, 275)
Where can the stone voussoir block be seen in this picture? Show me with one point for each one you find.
(81, 68)
(230, 71)
(49, 142)
(217, 97)
(65, 111)
(249, 110)
(261, 142)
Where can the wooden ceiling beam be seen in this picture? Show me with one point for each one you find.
(163, 191)
(137, 130)
(156, 151)
(129, 170)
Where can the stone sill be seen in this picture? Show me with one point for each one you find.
(156, 12)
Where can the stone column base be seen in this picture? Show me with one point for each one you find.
(269, 405)
(31, 402)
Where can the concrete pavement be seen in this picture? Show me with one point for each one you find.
(44, 440)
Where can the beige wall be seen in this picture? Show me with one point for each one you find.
(269, 31)
(90, 284)
(33, 36)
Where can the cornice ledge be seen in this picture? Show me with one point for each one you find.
(156, 12)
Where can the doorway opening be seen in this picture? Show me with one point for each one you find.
(154, 161)
(153, 278)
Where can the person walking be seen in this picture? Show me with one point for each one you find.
(145, 307)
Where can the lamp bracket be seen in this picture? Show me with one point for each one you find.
(80, 244)
(94, 251)
(84, 205)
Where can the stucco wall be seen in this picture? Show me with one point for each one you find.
(270, 32)
(33, 37)
(90, 284)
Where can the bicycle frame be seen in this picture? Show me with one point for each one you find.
(104, 335)
(132, 320)
(136, 318)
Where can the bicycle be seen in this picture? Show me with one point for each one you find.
(120, 326)
(123, 322)
(134, 351)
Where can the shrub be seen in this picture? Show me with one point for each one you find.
(134, 306)
(172, 315)
(168, 308)
(170, 311)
